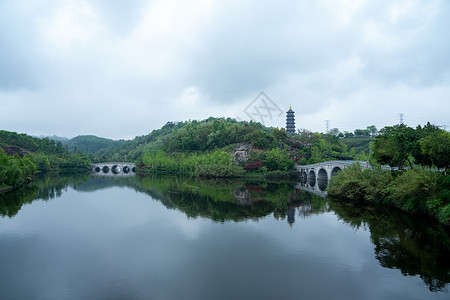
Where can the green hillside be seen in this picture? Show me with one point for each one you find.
(22, 156)
(91, 144)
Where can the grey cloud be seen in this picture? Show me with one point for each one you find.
(120, 16)
(304, 53)
(19, 58)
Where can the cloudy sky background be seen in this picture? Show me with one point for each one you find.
(118, 69)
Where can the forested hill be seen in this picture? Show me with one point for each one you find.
(193, 136)
(91, 144)
(224, 134)
(22, 156)
(21, 144)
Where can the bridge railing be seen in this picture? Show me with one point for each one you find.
(334, 162)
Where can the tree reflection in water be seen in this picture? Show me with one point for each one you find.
(413, 245)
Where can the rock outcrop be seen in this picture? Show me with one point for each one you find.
(242, 151)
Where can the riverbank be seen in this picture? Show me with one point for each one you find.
(416, 191)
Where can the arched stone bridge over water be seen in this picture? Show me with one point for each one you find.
(314, 178)
(113, 169)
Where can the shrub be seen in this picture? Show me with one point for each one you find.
(356, 184)
(415, 190)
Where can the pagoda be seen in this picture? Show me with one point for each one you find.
(290, 121)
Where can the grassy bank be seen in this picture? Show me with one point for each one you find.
(416, 191)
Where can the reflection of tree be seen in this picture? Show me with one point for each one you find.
(414, 246)
(222, 200)
(45, 188)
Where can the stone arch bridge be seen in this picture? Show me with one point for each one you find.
(315, 177)
(113, 169)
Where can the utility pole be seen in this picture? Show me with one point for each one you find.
(327, 125)
(401, 118)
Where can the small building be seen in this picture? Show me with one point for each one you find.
(290, 121)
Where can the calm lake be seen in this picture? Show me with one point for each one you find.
(161, 237)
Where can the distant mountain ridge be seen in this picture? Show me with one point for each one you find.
(55, 138)
(91, 144)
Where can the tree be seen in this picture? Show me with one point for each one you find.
(334, 132)
(279, 134)
(307, 136)
(348, 134)
(437, 148)
(394, 145)
(277, 159)
(372, 130)
(361, 132)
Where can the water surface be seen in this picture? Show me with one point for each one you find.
(178, 238)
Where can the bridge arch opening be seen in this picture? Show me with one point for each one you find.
(126, 169)
(322, 180)
(303, 177)
(312, 178)
(133, 169)
(105, 169)
(322, 174)
(97, 169)
(335, 171)
(116, 169)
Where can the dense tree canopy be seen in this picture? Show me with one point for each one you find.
(400, 144)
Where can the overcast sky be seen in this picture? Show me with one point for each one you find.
(119, 69)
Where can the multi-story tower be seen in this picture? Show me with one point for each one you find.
(290, 121)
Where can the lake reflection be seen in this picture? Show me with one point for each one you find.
(184, 238)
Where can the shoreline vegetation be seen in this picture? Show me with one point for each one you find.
(419, 191)
(226, 148)
(22, 157)
(416, 186)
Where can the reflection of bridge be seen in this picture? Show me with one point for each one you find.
(113, 169)
(314, 178)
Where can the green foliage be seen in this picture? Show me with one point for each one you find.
(29, 155)
(14, 170)
(192, 136)
(415, 190)
(361, 144)
(399, 144)
(418, 190)
(260, 139)
(436, 147)
(279, 134)
(444, 214)
(91, 144)
(277, 159)
(213, 133)
(394, 145)
(357, 184)
(216, 163)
